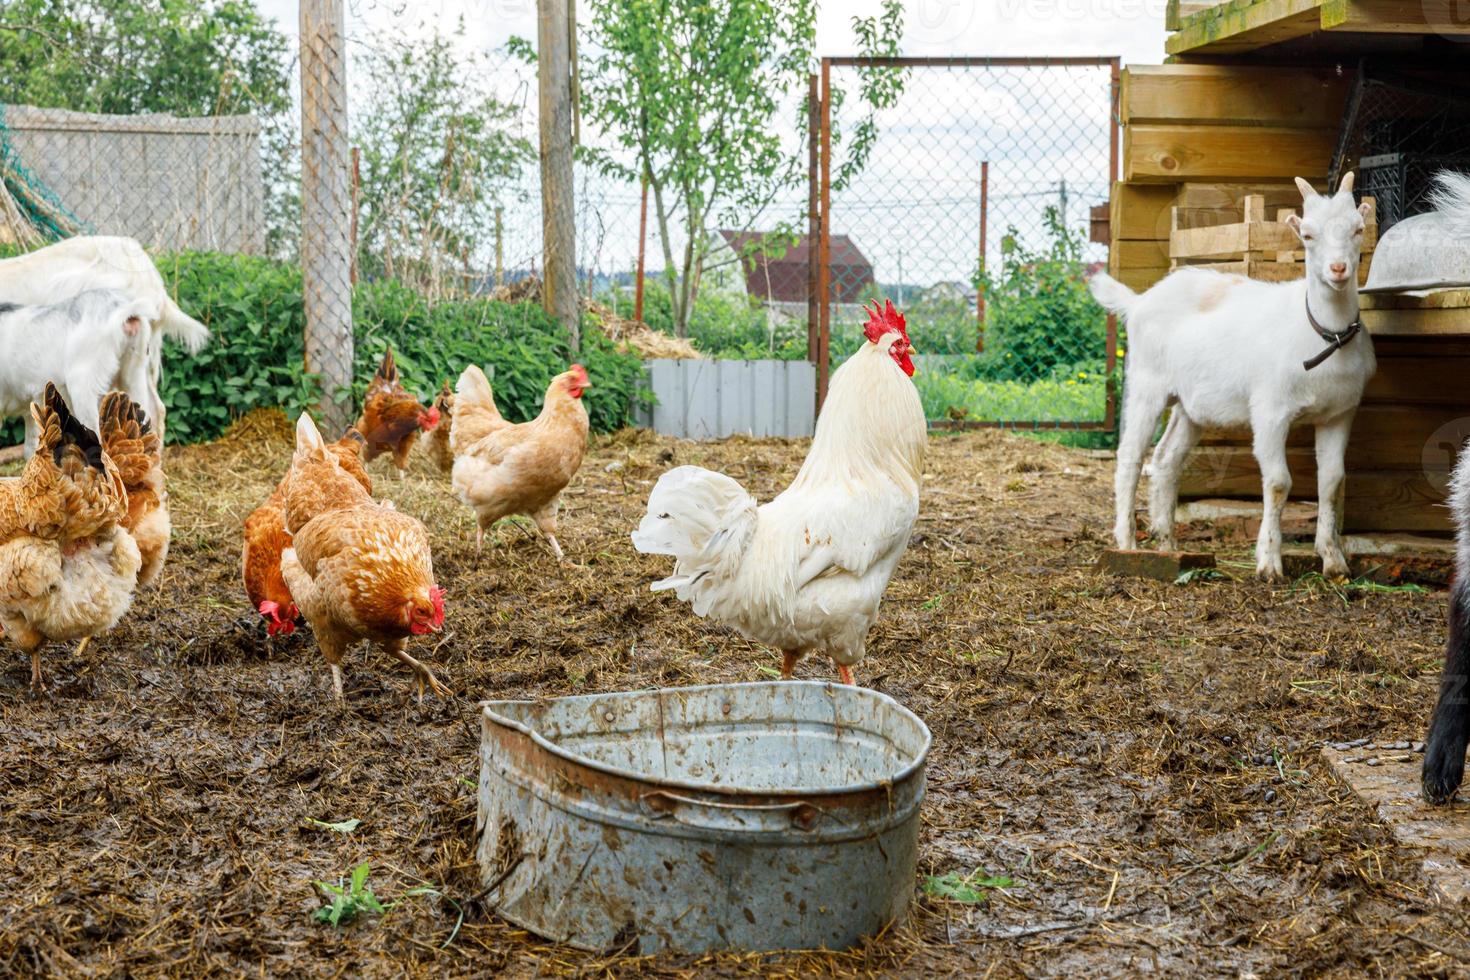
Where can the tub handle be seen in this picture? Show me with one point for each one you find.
(800, 815)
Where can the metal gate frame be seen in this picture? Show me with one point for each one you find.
(819, 274)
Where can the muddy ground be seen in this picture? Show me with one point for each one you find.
(1140, 757)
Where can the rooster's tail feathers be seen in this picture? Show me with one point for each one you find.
(705, 520)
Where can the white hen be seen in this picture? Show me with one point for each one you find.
(806, 571)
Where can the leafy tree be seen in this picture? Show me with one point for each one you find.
(438, 154)
(689, 91)
(1040, 318)
(184, 57)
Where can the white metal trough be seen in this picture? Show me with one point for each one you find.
(778, 815)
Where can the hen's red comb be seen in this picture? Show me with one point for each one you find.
(881, 321)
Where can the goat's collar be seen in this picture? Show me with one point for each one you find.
(1336, 339)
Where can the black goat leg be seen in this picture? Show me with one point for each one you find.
(1444, 750)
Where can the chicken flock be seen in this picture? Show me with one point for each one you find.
(86, 523)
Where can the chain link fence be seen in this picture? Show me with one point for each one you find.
(176, 183)
(971, 209)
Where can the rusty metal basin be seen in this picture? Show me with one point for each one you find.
(780, 815)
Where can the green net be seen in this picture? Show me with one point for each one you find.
(32, 209)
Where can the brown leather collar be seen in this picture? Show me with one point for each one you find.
(1335, 339)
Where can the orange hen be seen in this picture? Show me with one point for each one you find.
(391, 417)
(358, 569)
(266, 537)
(518, 469)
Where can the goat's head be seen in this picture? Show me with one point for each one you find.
(1331, 230)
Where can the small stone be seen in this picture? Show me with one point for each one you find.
(1270, 796)
(1374, 761)
(1418, 747)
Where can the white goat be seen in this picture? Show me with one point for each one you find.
(81, 344)
(1226, 352)
(58, 272)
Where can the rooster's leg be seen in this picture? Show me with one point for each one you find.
(38, 683)
(788, 663)
(555, 548)
(479, 539)
(844, 674)
(421, 673)
(337, 681)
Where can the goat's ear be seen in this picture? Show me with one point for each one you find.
(1308, 192)
(1294, 222)
(1347, 183)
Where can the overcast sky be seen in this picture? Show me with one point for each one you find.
(1045, 135)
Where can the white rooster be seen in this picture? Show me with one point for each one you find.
(806, 571)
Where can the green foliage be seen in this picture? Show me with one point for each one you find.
(689, 91)
(954, 391)
(349, 898)
(253, 308)
(1040, 317)
(437, 158)
(186, 57)
(971, 889)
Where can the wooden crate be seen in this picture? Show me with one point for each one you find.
(1252, 244)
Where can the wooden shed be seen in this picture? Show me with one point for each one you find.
(1257, 92)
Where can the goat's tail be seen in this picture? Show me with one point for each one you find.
(1112, 294)
(180, 326)
(1451, 198)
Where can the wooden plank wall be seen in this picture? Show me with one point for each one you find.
(1196, 135)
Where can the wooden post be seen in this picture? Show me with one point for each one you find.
(984, 240)
(813, 212)
(558, 225)
(326, 202)
(499, 247)
(356, 204)
(642, 248)
(824, 240)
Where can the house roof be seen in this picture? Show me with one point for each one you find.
(783, 278)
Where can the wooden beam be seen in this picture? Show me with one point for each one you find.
(1233, 94)
(1167, 154)
(1244, 25)
(1141, 211)
(1448, 17)
(1232, 240)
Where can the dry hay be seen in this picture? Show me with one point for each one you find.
(1140, 757)
(626, 332)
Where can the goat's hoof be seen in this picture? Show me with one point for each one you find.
(1441, 779)
(1271, 576)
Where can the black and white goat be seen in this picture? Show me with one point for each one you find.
(1444, 750)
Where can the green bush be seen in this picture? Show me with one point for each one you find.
(253, 308)
(1039, 315)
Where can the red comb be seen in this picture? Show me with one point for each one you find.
(580, 373)
(881, 321)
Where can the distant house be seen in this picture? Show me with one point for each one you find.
(947, 292)
(777, 276)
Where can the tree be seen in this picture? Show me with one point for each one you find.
(177, 56)
(689, 92)
(439, 152)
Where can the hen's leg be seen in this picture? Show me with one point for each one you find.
(844, 674)
(420, 671)
(31, 642)
(788, 663)
(545, 519)
(82, 646)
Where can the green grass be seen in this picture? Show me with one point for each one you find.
(1082, 399)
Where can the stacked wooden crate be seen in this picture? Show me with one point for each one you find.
(1203, 138)
(1241, 239)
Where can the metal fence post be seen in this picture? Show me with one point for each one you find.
(326, 202)
(558, 225)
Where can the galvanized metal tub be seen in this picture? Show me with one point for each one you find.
(780, 815)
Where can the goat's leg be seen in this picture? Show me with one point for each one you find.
(1163, 483)
(1269, 443)
(1332, 440)
(1142, 405)
(33, 436)
(1444, 749)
